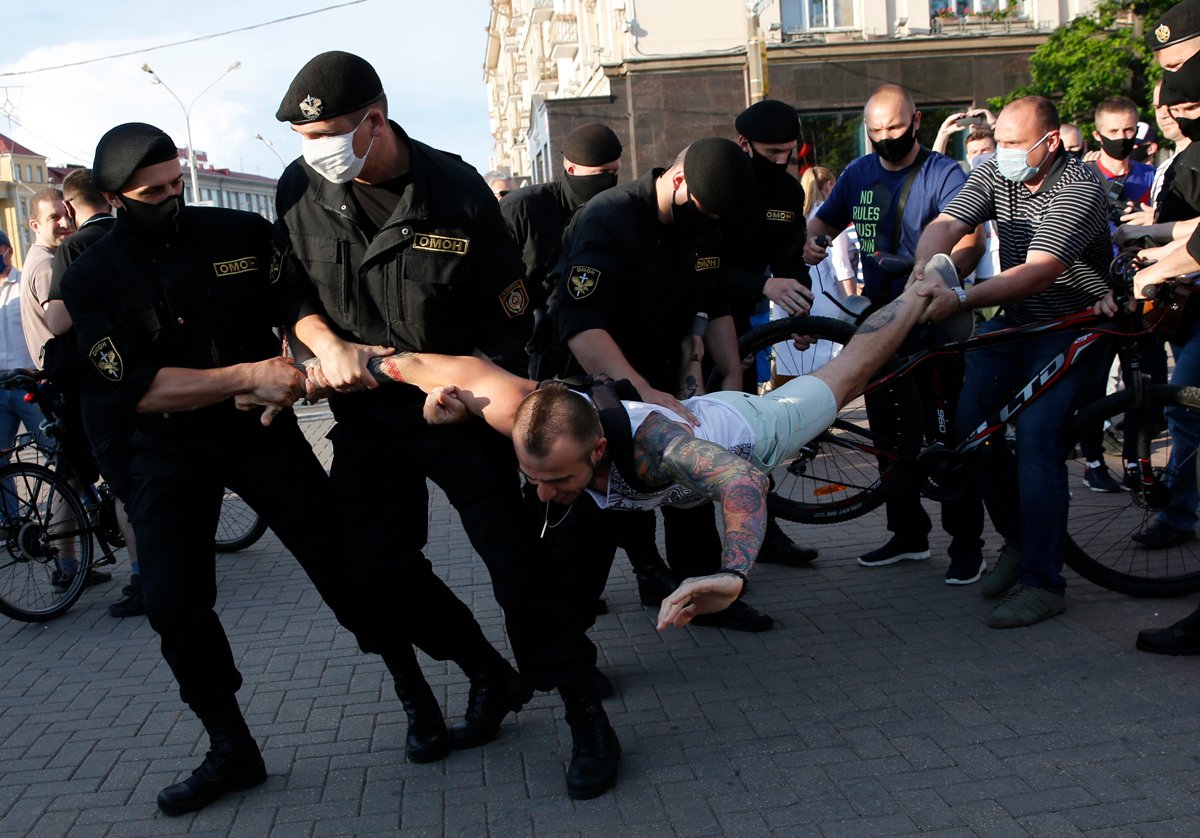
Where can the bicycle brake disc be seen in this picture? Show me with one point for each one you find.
(943, 473)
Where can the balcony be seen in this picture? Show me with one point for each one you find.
(520, 69)
(547, 82)
(564, 37)
(540, 11)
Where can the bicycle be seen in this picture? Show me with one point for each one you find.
(849, 470)
(49, 532)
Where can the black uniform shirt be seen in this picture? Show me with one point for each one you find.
(624, 271)
(1179, 198)
(536, 216)
(772, 237)
(91, 232)
(201, 303)
(441, 275)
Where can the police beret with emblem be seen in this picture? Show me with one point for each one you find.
(592, 145)
(1179, 23)
(719, 175)
(125, 149)
(768, 121)
(332, 84)
(1183, 85)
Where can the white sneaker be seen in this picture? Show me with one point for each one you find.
(959, 326)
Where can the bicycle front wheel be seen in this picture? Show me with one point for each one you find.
(45, 543)
(849, 469)
(239, 526)
(1101, 526)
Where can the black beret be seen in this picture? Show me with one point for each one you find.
(1179, 23)
(769, 121)
(127, 148)
(592, 145)
(1183, 85)
(719, 175)
(332, 84)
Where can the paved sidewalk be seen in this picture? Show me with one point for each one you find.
(880, 705)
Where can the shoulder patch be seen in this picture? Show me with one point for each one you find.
(107, 360)
(514, 299)
(582, 281)
(236, 266)
(708, 263)
(441, 244)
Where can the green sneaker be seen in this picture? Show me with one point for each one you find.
(1026, 606)
(1004, 575)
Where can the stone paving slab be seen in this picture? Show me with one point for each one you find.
(881, 704)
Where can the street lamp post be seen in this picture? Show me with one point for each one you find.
(187, 117)
(271, 146)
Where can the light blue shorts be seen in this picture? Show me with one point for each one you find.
(785, 419)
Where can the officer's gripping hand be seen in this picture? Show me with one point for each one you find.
(789, 294)
(663, 399)
(276, 382)
(444, 406)
(343, 367)
(248, 401)
(699, 595)
(814, 252)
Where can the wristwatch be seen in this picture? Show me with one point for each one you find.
(962, 295)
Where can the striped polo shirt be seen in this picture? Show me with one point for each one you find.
(1066, 217)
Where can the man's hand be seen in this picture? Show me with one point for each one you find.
(248, 401)
(343, 368)
(276, 382)
(444, 406)
(668, 401)
(942, 301)
(1107, 305)
(814, 252)
(789, 294)
(699, 595)
(1141, 217)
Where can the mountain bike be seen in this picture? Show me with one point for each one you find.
(49, 531)
(851, 469)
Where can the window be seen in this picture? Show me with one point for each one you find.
(39, 175)
(29, 173)
(959, 8)
(16, 167)
(805, 15)
(833, 139)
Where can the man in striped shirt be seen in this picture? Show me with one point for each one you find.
(1054, 253)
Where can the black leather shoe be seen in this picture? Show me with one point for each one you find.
(130, 604)
(428, 739)
(227, 767)
(777, 548)
(492, 697)
(1182, 638)
(1159, 536)
(655, 585)
(737, 617)
(595, 750)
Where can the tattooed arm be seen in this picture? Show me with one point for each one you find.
(666, 452)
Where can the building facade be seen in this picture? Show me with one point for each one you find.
(663, 72)
(23, 173)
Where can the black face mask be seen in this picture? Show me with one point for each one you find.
(685, 216)
(764, 167)
(585, 187)
(895, 149)
(1118, 148)
(1190, 128)
(157, 221)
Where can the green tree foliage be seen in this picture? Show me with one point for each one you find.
(1096, 56)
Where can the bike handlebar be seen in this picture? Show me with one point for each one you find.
(20, 379)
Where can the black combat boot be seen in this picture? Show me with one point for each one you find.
(428, 739)
(777, 548)
(595, 750)
(233, 763)
(654, 579)
(496, 691)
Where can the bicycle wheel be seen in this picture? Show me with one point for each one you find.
(1101, 526)
(846, 471)
(239, 526)
(45, 543)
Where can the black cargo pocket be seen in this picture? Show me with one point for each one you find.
(427, 289)
(327, 261)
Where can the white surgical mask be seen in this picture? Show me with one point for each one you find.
(333, 156)
(1014, 163)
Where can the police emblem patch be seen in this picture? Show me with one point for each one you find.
(708, 263)
(582, 281)
(311, 106)
(236, 266)
(107, 360)
(786, 216)
(1162, 33)
(441, 244)
(514, 299)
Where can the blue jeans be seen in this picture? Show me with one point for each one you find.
(1028, 498)
(1184, 426)
(15, 411)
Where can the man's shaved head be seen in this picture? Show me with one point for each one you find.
(893, 98)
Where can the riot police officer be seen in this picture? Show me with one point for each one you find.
(400, 245)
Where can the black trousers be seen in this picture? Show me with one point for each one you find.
(174, 503)
(381, 461)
